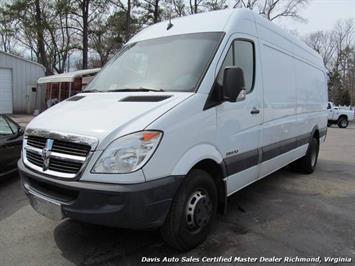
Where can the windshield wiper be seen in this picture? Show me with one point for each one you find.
(135, 89)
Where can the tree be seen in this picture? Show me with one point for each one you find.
(85, 13)
(274, 9)
(126, 10)
(61, 43)
(27, 20)
(108, 36)
(151, 11)
(337, 49)
(216, 4)
(7, 40)
(323, 43)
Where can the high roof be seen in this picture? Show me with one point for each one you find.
(230, 21)
(68, 76)
(213, 21)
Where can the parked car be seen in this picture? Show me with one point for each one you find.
(187, 114)
(339, 116)
(10, 145)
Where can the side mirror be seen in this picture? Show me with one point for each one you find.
(233, 83)
(20, 131)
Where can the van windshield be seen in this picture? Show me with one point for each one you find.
(174, 63)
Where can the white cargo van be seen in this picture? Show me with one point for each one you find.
(182, 117)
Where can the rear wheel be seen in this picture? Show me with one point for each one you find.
(192, 212)
(343, 122)
(308, 163)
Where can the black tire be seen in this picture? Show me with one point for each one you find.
(307, 163)
(188, 225)
(343, 122)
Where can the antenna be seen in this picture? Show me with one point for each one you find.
(170, 25)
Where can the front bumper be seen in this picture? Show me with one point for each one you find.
(136, 206)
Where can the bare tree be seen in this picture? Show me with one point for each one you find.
(323, 43)
(152, 11)
(337, 49)
(179, 7)
(274, 9)
(85, 13)
(215, 4)
(7, 33)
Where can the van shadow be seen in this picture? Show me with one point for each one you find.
(86, 244)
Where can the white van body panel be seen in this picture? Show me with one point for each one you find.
(195, 155)
(187, 131)
(89, 116)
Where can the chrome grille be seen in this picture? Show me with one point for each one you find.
(55, 157)
(70, 148)
(34, 158)
(64, 166)
(37, 142)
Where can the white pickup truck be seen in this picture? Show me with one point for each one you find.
(339, 116)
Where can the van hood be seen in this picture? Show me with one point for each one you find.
(102, 114)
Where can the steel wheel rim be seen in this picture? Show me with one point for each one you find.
(198, 211)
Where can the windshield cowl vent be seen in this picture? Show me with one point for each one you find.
(75, 98)
(152, 98)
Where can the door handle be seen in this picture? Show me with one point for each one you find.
(254, 111)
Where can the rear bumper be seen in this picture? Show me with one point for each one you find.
(135, 206)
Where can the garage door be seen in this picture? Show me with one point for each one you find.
(5, 90)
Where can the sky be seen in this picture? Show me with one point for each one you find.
(321, 15)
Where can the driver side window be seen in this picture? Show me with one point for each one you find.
(240, 54)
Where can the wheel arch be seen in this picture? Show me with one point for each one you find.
(206, 157)
(343, 116)
(315, 134)
(218, 173)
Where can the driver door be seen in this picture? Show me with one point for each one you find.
(239, 123)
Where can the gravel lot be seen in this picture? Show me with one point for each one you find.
(286, 214)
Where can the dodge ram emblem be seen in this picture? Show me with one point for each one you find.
(46, 153)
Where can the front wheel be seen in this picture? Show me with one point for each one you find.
(343, 122)
(192, 212)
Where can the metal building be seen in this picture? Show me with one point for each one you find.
(18, 84)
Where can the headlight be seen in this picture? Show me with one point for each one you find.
(128, 153)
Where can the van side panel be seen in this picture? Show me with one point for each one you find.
(295, 96)
(312, 97)
(280, 109)
(280, 98)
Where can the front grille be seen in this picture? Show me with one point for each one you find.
(37, 142)
(55, 157)
(70, 148)
(34, 158)
(64, 166)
